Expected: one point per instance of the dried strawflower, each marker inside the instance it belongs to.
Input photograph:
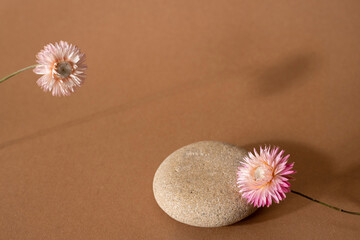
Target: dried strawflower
(265, 176)
(62, 66)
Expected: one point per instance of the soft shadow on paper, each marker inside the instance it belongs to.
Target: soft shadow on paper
(290, 72)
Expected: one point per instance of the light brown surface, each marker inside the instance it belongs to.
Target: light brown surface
(164, 74)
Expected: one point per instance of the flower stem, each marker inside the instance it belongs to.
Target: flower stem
(17, 72)
(325, 204)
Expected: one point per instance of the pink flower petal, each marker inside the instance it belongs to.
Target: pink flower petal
(264, 176)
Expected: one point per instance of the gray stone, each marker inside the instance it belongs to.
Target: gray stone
(196, 185)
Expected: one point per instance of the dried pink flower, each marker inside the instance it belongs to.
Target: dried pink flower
(265, 176)
(62, 66)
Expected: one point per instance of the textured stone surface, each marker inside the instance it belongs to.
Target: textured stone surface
(196, 185)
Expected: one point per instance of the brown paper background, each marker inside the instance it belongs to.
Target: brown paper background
(164, 74)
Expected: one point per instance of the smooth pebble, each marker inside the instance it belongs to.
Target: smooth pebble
(196, 185)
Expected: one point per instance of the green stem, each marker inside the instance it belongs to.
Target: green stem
(17, 72)
(325, 204)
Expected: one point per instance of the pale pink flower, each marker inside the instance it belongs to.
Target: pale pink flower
(265, 176)
(62, 66)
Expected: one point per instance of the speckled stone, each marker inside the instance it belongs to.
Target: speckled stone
(196, 185)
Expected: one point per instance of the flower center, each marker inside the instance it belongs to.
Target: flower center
(259, 173)
(63, 69)
(263, 174)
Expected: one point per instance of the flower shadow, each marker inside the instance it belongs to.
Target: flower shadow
(314, 175)
(290, 72)
(347, 181)
(124, 107)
